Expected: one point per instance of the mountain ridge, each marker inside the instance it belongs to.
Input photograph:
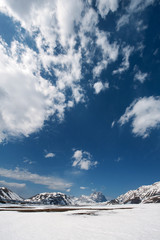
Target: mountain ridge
(143, 194)
(58, 198)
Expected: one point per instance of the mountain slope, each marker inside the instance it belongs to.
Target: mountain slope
(144, 194)
(7, 195)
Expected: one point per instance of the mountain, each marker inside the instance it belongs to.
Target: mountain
(96, 197)
(63, 199)
(7, 196)
(55, 198)
(144, 194)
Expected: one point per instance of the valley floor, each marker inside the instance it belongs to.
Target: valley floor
(132, 222)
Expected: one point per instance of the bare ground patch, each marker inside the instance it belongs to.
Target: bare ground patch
(37, 210)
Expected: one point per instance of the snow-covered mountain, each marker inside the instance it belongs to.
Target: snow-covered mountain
(144, 194)
(63, 199)
(96, 197)
(7, 195)
(55, 198)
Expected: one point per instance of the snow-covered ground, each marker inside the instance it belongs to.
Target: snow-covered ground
(140, 223)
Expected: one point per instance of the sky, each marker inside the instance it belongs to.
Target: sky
(79, 95)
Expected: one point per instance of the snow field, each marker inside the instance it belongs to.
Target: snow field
(140, 223)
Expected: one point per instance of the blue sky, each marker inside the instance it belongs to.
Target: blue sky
(80, 95)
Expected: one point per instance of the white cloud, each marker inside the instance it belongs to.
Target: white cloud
(135, 6)
(99, 86)
(83, 160)
(50, 182)
(12, 184)
(68, 13)
(139, 5)
(49, 155)
(113, 124)
(141, 77)
(109, 52)
(68, 190)
(145, 115)
(104, 6)
(27, 98)
(26, 160)
(126, 51)
(122, 21)
(83, 188)
(141, 26)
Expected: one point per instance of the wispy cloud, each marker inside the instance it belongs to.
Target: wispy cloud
(28, 161)
(134, 6)
(83, 188)
(50, 182)
(139, 5)
(49, 155)
(122, 21)
(83, 160)
(144, 114)
(109, 52)
(126, 52)
(113, 124)
(68, 190)
(12, 184)
(118, 159)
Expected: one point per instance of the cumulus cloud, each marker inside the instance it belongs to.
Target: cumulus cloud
(99, 86)
(141, 77)
(68, 13)
(104, 6)
(12, 184)
(66, 36)
(49, 155)
(144, 114)
(27, 99)
(50, 182)
(83, 160)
